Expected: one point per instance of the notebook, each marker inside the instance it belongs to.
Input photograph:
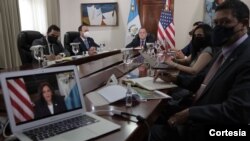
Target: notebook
(148, 83)
(29, 112)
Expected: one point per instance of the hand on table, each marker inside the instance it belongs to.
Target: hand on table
(92, 51)
(167, 77)
(58, 57)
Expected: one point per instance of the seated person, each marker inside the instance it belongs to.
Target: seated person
(49, 103)
(86, 43)
(186, 51)
(201, 52)
(222, 93)
(141, 39)
(53, 46)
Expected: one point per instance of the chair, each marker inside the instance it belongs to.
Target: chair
(69, 38)
(24, 42)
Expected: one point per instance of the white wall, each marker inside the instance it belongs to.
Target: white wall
(114, 36)
(186, 13)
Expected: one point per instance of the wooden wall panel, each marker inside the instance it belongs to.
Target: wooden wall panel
(150, 11)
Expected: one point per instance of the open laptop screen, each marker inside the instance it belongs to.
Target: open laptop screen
(38, 96)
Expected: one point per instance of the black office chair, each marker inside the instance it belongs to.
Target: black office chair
(24, 42)
(69, 38)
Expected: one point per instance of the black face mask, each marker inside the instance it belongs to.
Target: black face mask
(199, 42)
(52, 39)
(221, 35)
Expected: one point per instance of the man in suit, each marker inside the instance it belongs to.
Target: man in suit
(87, 44)
(223, 99)
(53, 47)
(141, 39)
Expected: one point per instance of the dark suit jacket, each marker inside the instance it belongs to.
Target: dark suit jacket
(58, 48)
(41, 108)
(187, 49)
(226, 99)
(136, 41)
(83, 46)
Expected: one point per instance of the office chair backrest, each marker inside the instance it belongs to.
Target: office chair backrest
(69, 38)
(24, 42)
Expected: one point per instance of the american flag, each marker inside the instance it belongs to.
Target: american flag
(20, 100)
(166, 28)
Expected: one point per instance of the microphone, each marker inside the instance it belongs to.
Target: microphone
(120, 113)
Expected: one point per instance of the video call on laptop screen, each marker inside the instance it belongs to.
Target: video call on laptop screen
(36, 97)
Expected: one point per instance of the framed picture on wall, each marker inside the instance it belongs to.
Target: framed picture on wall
(210, 6)
(99, 14)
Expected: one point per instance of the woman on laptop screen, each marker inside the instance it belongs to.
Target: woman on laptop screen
(49, 103)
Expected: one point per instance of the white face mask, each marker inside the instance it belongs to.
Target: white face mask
(86, 34)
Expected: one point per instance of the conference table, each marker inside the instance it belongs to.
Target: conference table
(94, 72)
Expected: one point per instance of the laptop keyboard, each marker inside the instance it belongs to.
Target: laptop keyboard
(47, 131)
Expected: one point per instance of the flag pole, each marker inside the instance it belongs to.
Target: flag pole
(165, 42)
(166, 7)
(132, 6)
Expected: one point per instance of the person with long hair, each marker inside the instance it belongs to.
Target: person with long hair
(201, 52)
(221, 90)
(49, 103)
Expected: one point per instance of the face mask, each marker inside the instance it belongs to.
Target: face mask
(86, 34)
(52, 39)
(199, 42)
(221, 35)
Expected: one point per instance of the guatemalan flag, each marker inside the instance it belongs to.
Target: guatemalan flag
(134, 23)
(68, 88)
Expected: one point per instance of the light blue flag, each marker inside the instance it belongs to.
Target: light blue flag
(73, 99)
(68, 88)
(134, 23)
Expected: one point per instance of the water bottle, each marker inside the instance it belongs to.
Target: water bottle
(129, 95)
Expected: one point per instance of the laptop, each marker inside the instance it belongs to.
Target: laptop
(31, 118)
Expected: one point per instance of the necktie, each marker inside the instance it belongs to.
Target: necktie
(209, 76)
(86, 43)
(142, 43)
(51, 49)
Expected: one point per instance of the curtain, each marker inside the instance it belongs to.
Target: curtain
(33, 15)
(44, 13)
(9, 29)
(53, 12)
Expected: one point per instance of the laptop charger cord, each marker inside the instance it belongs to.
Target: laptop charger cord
(120, 113)
(6, 124)
(139, 118)
(8, 137)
